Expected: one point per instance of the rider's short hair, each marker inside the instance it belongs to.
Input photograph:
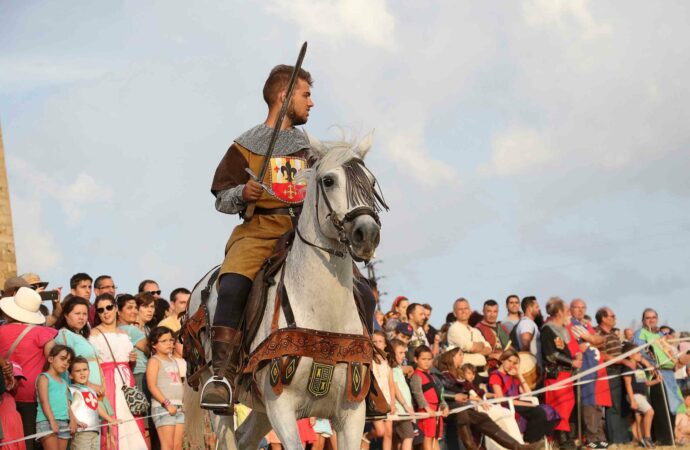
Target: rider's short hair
(278, 80)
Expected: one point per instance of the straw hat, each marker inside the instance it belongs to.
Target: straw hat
(23, 307)
(34, 280)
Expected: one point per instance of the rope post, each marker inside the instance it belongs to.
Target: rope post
(578, 441)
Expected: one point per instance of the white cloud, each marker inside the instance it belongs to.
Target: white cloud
(367, 21)
(408, 152)
(564, 15)
(23, 73)
(518, 150)
(35, 245)
(73, 197)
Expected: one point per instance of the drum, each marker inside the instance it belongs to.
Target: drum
(529, 369)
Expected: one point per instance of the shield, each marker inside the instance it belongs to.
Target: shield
(90, 400)
(284, 170)
(320, 379)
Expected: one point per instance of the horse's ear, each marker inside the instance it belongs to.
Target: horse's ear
(365, 145)
(317, 148)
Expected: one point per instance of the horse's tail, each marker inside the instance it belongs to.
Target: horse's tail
(194, 419)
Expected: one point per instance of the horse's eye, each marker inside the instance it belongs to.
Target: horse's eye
(328, 181)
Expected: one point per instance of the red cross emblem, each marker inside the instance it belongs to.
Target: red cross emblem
(283, 178)
(90, 400)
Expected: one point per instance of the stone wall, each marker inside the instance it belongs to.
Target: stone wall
(8, 261)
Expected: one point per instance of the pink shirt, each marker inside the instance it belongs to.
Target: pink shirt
(28, 354)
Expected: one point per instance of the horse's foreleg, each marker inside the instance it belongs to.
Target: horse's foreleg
(281, 413)
(252, 430)
(349, 427)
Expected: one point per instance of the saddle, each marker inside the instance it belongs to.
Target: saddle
(258, 295)
(194, 326)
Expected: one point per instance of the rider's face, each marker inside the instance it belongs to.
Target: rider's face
(300, 104)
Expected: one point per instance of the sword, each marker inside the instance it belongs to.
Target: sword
(249, 212)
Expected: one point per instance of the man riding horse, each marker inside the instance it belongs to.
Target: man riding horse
(253, 241)
(277, 198)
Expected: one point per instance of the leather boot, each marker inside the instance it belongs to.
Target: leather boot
(225, 348)
(505, 440)
(465, 435)
(563, 440)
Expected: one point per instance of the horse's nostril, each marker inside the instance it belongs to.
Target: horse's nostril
(358, 236)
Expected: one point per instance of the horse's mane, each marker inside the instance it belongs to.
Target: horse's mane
(346, 153)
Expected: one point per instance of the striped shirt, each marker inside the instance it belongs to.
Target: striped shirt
(613, 346)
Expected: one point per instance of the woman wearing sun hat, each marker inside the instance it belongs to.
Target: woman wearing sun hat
(23, 340)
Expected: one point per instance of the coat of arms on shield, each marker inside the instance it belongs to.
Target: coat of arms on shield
(284, 169)
(320, 379)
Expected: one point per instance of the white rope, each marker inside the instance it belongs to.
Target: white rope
(404, 416)
(563, 384)
(48, 433)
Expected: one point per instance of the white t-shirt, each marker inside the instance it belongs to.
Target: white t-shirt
(526, 325)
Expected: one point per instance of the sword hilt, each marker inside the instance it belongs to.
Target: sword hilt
(249, 211)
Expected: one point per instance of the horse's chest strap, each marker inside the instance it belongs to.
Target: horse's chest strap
(322, 346)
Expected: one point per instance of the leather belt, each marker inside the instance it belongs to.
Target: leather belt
(289, 211)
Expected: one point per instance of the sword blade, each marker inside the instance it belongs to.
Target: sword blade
(249, 212)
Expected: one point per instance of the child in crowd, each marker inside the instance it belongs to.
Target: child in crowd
(54, 414)
(324, 432)
(507, 381)
(86, 408)
(11, 427)
(474, 392)
(636, 386)
(384, 378)
(683, 423)
(165, 384)
(402, 429)
(427, 390)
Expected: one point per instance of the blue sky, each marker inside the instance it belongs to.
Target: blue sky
(537, 146)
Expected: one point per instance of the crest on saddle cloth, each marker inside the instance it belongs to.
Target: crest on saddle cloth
(284, 170)
(320, 379)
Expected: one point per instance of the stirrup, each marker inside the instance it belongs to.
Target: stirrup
(217, 406)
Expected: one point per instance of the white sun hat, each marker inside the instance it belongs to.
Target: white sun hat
(24, 306)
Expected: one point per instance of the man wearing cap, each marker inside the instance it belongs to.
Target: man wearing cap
(39, 286)
(403, 331)
(23, 340)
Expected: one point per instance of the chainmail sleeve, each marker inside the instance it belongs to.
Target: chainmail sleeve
(417, 392)
(229, 201)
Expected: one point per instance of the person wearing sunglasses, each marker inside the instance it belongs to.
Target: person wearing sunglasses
(660, 357)
(150, 287)
(116, 352)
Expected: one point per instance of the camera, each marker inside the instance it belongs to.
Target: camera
(49, 295)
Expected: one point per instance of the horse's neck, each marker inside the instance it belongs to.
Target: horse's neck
(320, 285)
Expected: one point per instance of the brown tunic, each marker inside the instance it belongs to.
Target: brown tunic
(252, 242)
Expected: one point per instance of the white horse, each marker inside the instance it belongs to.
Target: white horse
(339, 221)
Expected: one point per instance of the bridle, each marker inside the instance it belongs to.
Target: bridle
(339, 224)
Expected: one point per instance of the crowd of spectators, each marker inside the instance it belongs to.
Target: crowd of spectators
(68, 373)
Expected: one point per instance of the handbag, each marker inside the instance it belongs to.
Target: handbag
(136, 400)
